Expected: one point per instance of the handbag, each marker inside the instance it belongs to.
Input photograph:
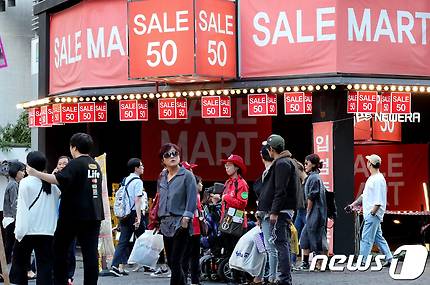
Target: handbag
(232, 222)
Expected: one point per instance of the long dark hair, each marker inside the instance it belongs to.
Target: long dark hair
(37, 160)
(315, 160)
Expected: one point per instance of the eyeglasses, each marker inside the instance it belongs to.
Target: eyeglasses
(173, 153)
(141, 165)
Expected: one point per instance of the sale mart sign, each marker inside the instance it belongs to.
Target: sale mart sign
(172, 108)
(133, 110)
(163, 38)
(362, 101)
(297, 103)
(405, 167)
(216, 107)
(262, 105)
(206, 141)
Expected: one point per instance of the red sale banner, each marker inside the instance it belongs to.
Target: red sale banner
(262, 105)
(69, 113)
(367, 101)
(216, 107)
(172, 108)
(295, 103)
(362, 130)
(46, 115)
(161, 38)
(386, 131)
(89, 49)
(142, 110)
(101, 112)
(37, 117)
(384, 105)
(352, 102)
(401, 102)
(56, 116)
(206, 141)
(405, 167)
(87, 112)
(31, 118)
(128, 110)
(323, 146)
(216, 38)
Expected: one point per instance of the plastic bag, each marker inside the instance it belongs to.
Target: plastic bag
(246, 256)
(294, 243)
(146, 249)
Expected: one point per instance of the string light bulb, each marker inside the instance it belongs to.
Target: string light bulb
(333, 87)
(317, 87)
(273, 89)
(349, 87)
(138, 96)
(281, 89)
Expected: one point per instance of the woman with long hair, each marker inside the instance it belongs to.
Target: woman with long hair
(311, 239)
(177, 190)
(36, 220)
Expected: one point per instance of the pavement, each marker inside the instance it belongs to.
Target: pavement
(299, 278)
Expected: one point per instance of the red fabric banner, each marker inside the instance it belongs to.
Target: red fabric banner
(405, 167)
(88, 46)
(206, 141)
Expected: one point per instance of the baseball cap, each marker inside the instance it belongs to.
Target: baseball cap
(374, 159)
(275, 141)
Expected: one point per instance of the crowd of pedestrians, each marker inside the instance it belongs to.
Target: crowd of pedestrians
(48, 213)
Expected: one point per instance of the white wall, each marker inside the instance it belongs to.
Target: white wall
(15, 80)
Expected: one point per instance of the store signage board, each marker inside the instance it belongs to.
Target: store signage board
(216, 107)
(172, 108)
(164, 42)
(297, 103)
(262, 105)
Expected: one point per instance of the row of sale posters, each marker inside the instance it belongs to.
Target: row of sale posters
(372, 102)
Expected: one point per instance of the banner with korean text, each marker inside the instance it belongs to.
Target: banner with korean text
(323, 146)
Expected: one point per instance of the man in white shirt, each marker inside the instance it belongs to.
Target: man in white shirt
(374, 201)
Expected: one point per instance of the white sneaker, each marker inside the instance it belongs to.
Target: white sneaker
(160, 272)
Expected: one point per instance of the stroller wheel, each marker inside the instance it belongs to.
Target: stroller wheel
(224, 271)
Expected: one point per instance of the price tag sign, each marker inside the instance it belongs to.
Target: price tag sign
(101, 112)
(367, 101)
(216, 107)
(69, 113)
(352, 102)
(181, 108)
(56, 114)
(216, 38)
(401, 102)
(308, 103)
(31, 118)
(161, 38)
(87, 112)
(128, 110)
(142, 110)
(384, 105)
(46, 116)
(172, 109)
(258, 105)
(294, 103)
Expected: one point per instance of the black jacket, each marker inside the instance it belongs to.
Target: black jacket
(279, 186)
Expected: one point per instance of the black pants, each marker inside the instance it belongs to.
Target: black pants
(191, 259)
(229, 242)
(42, 245)
(9, 241)
(175, 250)
(87, 234)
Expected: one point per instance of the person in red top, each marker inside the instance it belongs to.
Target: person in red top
(235, 196)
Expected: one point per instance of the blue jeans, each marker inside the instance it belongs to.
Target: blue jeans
(299, 223)
(271, 250)
(282, 244)
(371, 234)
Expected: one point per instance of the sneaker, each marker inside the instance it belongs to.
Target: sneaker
(304, 266)
(124, 272)
(160, 272)
(115, 271)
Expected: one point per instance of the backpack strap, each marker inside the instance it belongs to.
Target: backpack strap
(37, 198)
(126, 191)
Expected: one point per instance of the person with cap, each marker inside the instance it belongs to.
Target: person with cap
(277, 201)
(374, 202)
(235, 196)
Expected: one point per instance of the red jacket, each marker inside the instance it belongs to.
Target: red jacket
(196, 222)
(235, 196)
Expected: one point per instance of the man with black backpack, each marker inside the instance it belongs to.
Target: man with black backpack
(278, 199)
(131, 221)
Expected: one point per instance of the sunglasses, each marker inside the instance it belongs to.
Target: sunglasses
(171, 154)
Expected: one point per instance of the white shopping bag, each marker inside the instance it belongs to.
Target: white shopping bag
(147, 249)
(246, 256)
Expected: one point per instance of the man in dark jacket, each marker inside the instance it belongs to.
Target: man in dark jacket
(278, 200)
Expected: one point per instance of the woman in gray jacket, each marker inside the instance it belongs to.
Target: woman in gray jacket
(314, 230)
(177, 190)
